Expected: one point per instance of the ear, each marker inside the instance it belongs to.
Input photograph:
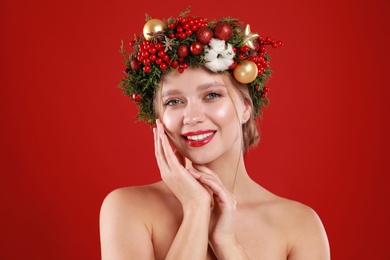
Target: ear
(246, 114)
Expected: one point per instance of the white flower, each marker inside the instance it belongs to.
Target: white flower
(219, 56)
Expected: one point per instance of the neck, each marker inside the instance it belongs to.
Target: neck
(230, 168)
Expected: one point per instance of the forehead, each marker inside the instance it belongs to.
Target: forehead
(190, 78)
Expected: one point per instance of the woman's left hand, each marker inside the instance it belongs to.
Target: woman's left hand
(222, 223)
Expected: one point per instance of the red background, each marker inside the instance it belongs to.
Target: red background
(68, 136)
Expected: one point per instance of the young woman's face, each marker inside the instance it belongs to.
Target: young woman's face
(201, 114)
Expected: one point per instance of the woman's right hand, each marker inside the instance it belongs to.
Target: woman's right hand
(184, 186)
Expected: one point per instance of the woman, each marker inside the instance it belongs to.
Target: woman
(206, 206)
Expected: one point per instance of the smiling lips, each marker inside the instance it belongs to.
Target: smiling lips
(199, 138)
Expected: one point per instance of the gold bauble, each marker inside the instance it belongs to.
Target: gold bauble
(245, 72)
(152, 26)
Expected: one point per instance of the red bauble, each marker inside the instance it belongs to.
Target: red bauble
(196, 48)
(135, 64)
(204, 35)
(223, 31)
(182, 51)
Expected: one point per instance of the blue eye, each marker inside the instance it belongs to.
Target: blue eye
(172, 102)
(213, 95)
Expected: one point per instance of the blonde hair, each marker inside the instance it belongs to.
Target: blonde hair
(250, 132)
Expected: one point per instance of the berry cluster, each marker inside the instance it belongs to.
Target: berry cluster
(151, 52)
(258, 56)
(183, 27)
(158, 52)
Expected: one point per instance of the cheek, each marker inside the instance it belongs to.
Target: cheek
(170, 121)
(225, 112)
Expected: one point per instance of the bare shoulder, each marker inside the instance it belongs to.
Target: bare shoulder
(134, 196)
(125, 222)
(305, 232)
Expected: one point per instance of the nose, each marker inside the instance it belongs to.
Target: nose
(193, 114)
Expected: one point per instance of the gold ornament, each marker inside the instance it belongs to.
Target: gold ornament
(152, 27)
(245, 72)
(249, 37)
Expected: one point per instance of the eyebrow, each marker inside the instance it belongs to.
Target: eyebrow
(199, 88)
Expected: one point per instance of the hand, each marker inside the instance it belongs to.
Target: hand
(185, 187)
(222, 224)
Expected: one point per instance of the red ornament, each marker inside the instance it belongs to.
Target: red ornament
(204, 35)
(182, 51)
(196, 48)
(147, 68)
(135, 64)
(234, 64)
(223, 31)
(136, 97)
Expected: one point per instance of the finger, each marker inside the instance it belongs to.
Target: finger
(205, 171)
(172, 160)
(208, 178)
(159, 153)
(170, 156)
(223, 196)
(195, 173)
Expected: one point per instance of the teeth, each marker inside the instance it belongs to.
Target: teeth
(199, 137)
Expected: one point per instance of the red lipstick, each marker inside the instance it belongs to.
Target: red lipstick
(199, 138)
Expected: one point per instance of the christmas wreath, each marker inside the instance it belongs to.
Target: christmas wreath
(221, 46)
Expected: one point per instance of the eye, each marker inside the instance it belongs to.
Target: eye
(212, 95)
(172, 102)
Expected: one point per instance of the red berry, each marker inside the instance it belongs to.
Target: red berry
(136, 97)
(244, 49)
(161, 53)
(234, 64)
(147, 68)
(153, 57)
(196, 48)
(145, 54)
(163, 66)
